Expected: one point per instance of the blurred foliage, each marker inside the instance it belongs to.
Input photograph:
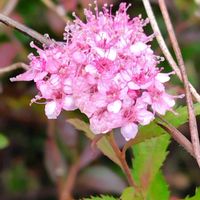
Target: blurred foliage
(18, 179)
(3, 141)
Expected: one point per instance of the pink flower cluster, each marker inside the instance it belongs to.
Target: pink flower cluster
(105, 68)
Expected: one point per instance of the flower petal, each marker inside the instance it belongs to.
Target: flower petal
(129, 131)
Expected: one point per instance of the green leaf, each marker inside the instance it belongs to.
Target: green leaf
(104, 197)
(196, 197)
(158, 189)
(149, 157)
(103, 144)
(153, 130)
(130, 194)
(3, 141)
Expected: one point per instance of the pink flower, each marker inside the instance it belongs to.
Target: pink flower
(116, 79)
(53, 74)
(107, 69)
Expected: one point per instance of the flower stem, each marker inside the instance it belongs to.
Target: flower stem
(122, 159)
(68, 185)
(190, 107)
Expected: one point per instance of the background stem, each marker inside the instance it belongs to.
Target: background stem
(164, 47)
(177, 135)
(25, 30)
(176, 48)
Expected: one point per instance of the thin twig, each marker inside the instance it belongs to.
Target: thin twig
(9, 7)
(51, 128)
(67, 187)
(57, 9)
(164, 48)
(127, 145)
(12, 67)
(96, 139)
(177, 135)
(122, 159)
(190, 107)
(24, 29)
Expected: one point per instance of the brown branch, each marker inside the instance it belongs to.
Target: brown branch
(96, 139)
(190, 107)
(127, 145)
(67, 187)
(51, 128)
(57, 9)
(13, 67)
(24, 29)
(177, 135)
(164, 48)
(122, 159)
(9, 7)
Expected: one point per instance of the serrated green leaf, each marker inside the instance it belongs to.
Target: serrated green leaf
(102, 197)
(153, 130)
(149, 157)
(103, 144)
(3, 141)
(158, 189)
(130, 194)
(196, 196)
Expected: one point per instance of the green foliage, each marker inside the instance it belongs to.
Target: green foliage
(153, 130)
(158, 186)
(145, 132)
(150, 151)
(187, 7)
(130, 194)
(17, 179)
(196, 197)
(104, 197)
(103, 144)
(149, 157)
(3, 141)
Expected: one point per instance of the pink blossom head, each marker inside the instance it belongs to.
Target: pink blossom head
(107, 69)
(118, 83)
